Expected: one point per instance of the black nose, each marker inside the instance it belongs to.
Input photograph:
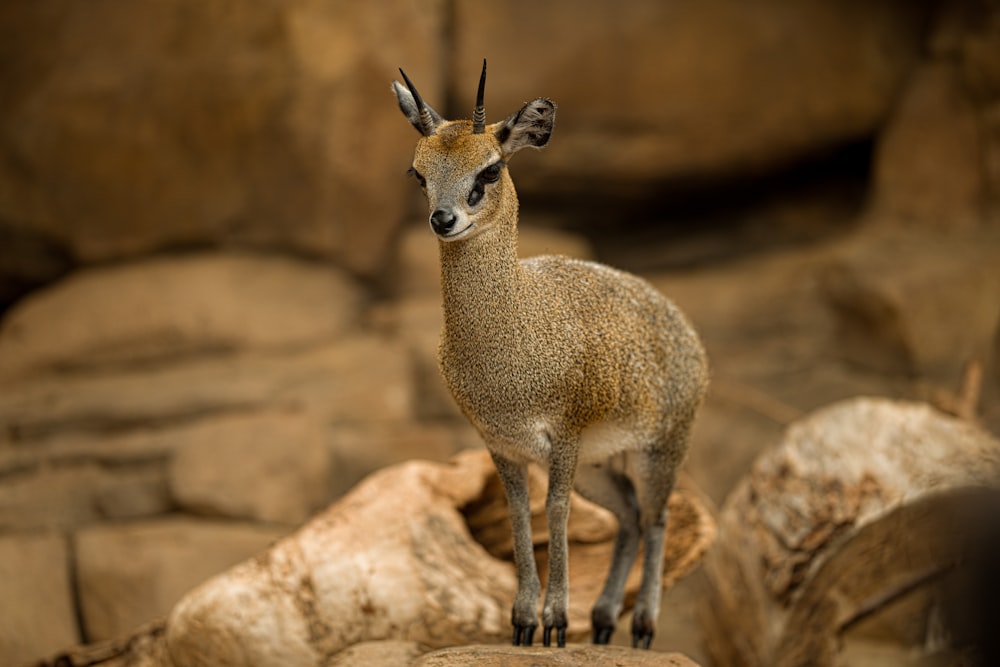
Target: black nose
(442, 221)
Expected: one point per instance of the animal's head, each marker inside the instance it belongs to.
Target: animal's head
(462, 165)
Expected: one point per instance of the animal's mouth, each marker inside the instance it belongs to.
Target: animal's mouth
(460, 234)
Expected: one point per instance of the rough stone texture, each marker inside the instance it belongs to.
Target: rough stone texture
(176, 123)
(271, 467)
(36, 616)
(831, 527)
(928, 312)
(573, 654)
(393, 559)
(648, 90)
(131, 573)
(378, 654)
(361, 378)
(360, 449)
(162, 309)
(935, 124)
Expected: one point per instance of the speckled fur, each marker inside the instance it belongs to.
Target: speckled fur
(571, 364)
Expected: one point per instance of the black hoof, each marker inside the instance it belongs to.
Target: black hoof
(560, 636)
(524, 634)
(603, 635)
(641, 639)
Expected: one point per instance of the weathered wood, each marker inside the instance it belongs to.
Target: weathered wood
(398, 558)
(843, 534)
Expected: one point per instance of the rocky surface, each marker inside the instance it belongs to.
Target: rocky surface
(500, 656)
(245, 328)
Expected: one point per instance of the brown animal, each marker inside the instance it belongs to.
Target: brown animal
(571, 364)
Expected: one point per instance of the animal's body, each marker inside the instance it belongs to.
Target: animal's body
(584, 369)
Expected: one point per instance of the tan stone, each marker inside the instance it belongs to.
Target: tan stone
(36, 616)
(131, 573)
(271, 467)
(188, 123)
(378, 654)
(535, 656)
(929, 162)
(395, 559)
(360, 378)
(165, 309)
(650, 90)
(360, 449)
(917, 307)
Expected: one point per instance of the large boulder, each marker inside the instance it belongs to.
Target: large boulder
(130, 127)
(649, 91)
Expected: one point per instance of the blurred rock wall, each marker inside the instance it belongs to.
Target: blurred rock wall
(244, 325)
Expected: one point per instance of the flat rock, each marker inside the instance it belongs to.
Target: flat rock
(131, 573)
(270, 467)
(37, 615)
(536, 656)
(168, 308)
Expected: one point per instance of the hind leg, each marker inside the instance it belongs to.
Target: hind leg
(612, 490)
(653, 473)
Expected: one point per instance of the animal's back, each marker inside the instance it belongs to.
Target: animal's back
(641, 360)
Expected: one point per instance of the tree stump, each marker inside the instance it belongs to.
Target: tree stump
(839, 542)
(418, 552)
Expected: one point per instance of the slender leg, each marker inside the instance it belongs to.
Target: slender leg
(562, 469)
(613, 491)
(524, 615)
(653, 476)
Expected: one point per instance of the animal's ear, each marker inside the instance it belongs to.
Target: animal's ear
(411, 110)
(531, 126)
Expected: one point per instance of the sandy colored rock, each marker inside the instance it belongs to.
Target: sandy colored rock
(651, 90)
(360, 378)
(378, 654)
(534, 656)
(830, 530)
(165, 309)
(394, 559)
(34, 585)
(928, 312)
(129, 574)
(929, 161)
(180, 124)
(271, 467)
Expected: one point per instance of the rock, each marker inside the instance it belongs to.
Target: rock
(185, 124)
(131, 573)
(163, 309)
(394, 559)
(536, 656)
(80, 491)
(37, 615)
(271, 467)
(915, 307)
(843, 533)
(653, 91)
(378, 654)
(360, 449)
(359, 378)
(929, 161)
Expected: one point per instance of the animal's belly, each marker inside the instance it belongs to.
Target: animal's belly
(601, 441)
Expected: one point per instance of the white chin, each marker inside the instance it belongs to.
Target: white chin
(460, 234)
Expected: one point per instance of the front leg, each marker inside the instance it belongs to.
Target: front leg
(524, 615)
(562, 470)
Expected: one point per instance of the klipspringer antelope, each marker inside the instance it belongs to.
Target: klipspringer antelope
(571, 364)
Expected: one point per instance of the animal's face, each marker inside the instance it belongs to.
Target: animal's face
(462, 165)
(464, 176)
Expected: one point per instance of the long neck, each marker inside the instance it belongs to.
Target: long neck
(481, 277)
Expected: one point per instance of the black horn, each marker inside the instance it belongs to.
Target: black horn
(479, 114)
(427, 124)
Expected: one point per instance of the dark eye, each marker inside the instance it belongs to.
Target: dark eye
(416, 174)
(477, 192)
(491, 174)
